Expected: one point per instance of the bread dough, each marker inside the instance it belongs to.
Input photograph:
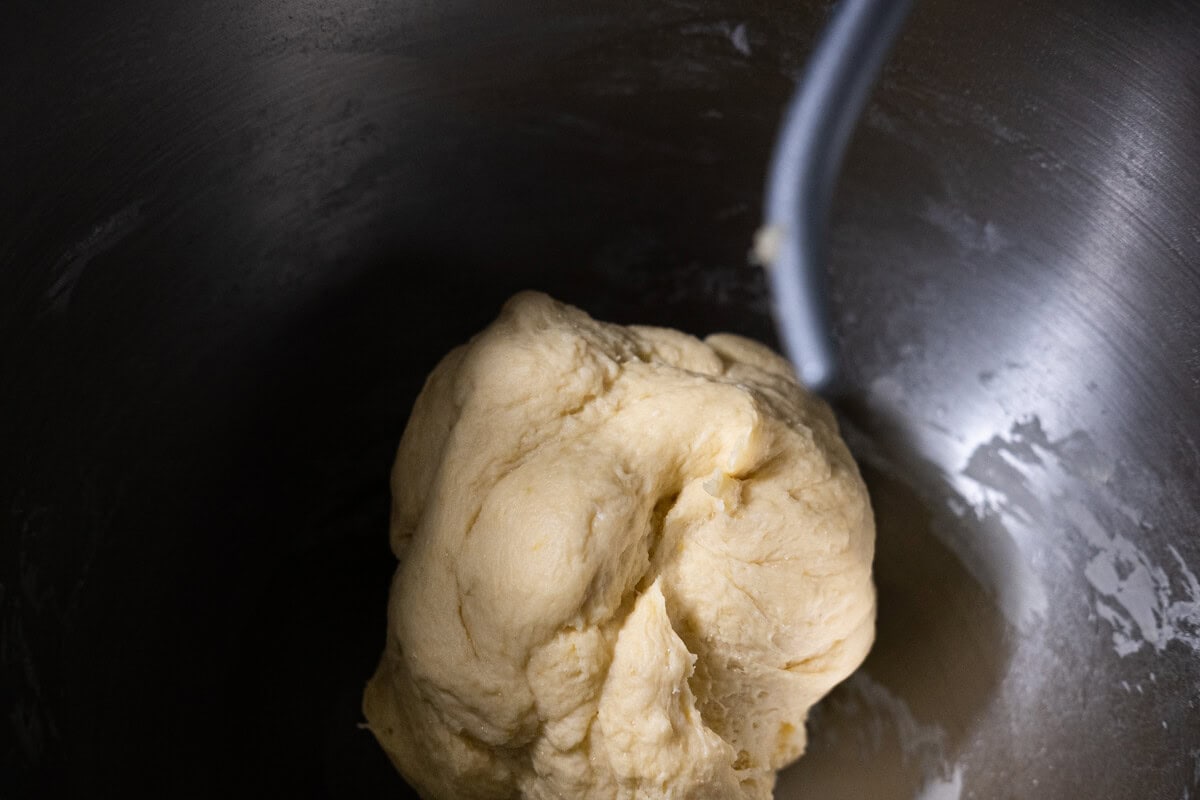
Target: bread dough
(630, 562)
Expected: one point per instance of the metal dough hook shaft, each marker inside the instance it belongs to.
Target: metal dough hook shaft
(818, 124)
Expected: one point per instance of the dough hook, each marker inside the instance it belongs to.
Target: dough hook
(817, 126)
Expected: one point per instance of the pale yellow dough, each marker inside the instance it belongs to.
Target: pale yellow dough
(630, 562)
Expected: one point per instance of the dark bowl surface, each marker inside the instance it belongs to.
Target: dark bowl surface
(236, 236)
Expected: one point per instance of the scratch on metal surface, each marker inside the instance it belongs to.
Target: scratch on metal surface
(70, 266)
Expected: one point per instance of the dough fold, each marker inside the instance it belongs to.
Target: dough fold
(630, 562)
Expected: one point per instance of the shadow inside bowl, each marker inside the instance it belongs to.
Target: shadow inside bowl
(893, 729)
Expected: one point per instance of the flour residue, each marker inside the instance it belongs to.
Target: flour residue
(1143, 602)
(974, 529)
(738, 35)
(970, 234)
(943, 788)
(878, 720)
(995, 559)
(1149, 600)
(923, 744)
(740, 39)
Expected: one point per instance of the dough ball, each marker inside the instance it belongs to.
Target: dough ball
(630, 562)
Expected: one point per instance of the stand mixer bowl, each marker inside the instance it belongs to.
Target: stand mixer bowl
(238, 236)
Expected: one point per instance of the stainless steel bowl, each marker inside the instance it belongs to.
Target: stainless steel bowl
(237, 235)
